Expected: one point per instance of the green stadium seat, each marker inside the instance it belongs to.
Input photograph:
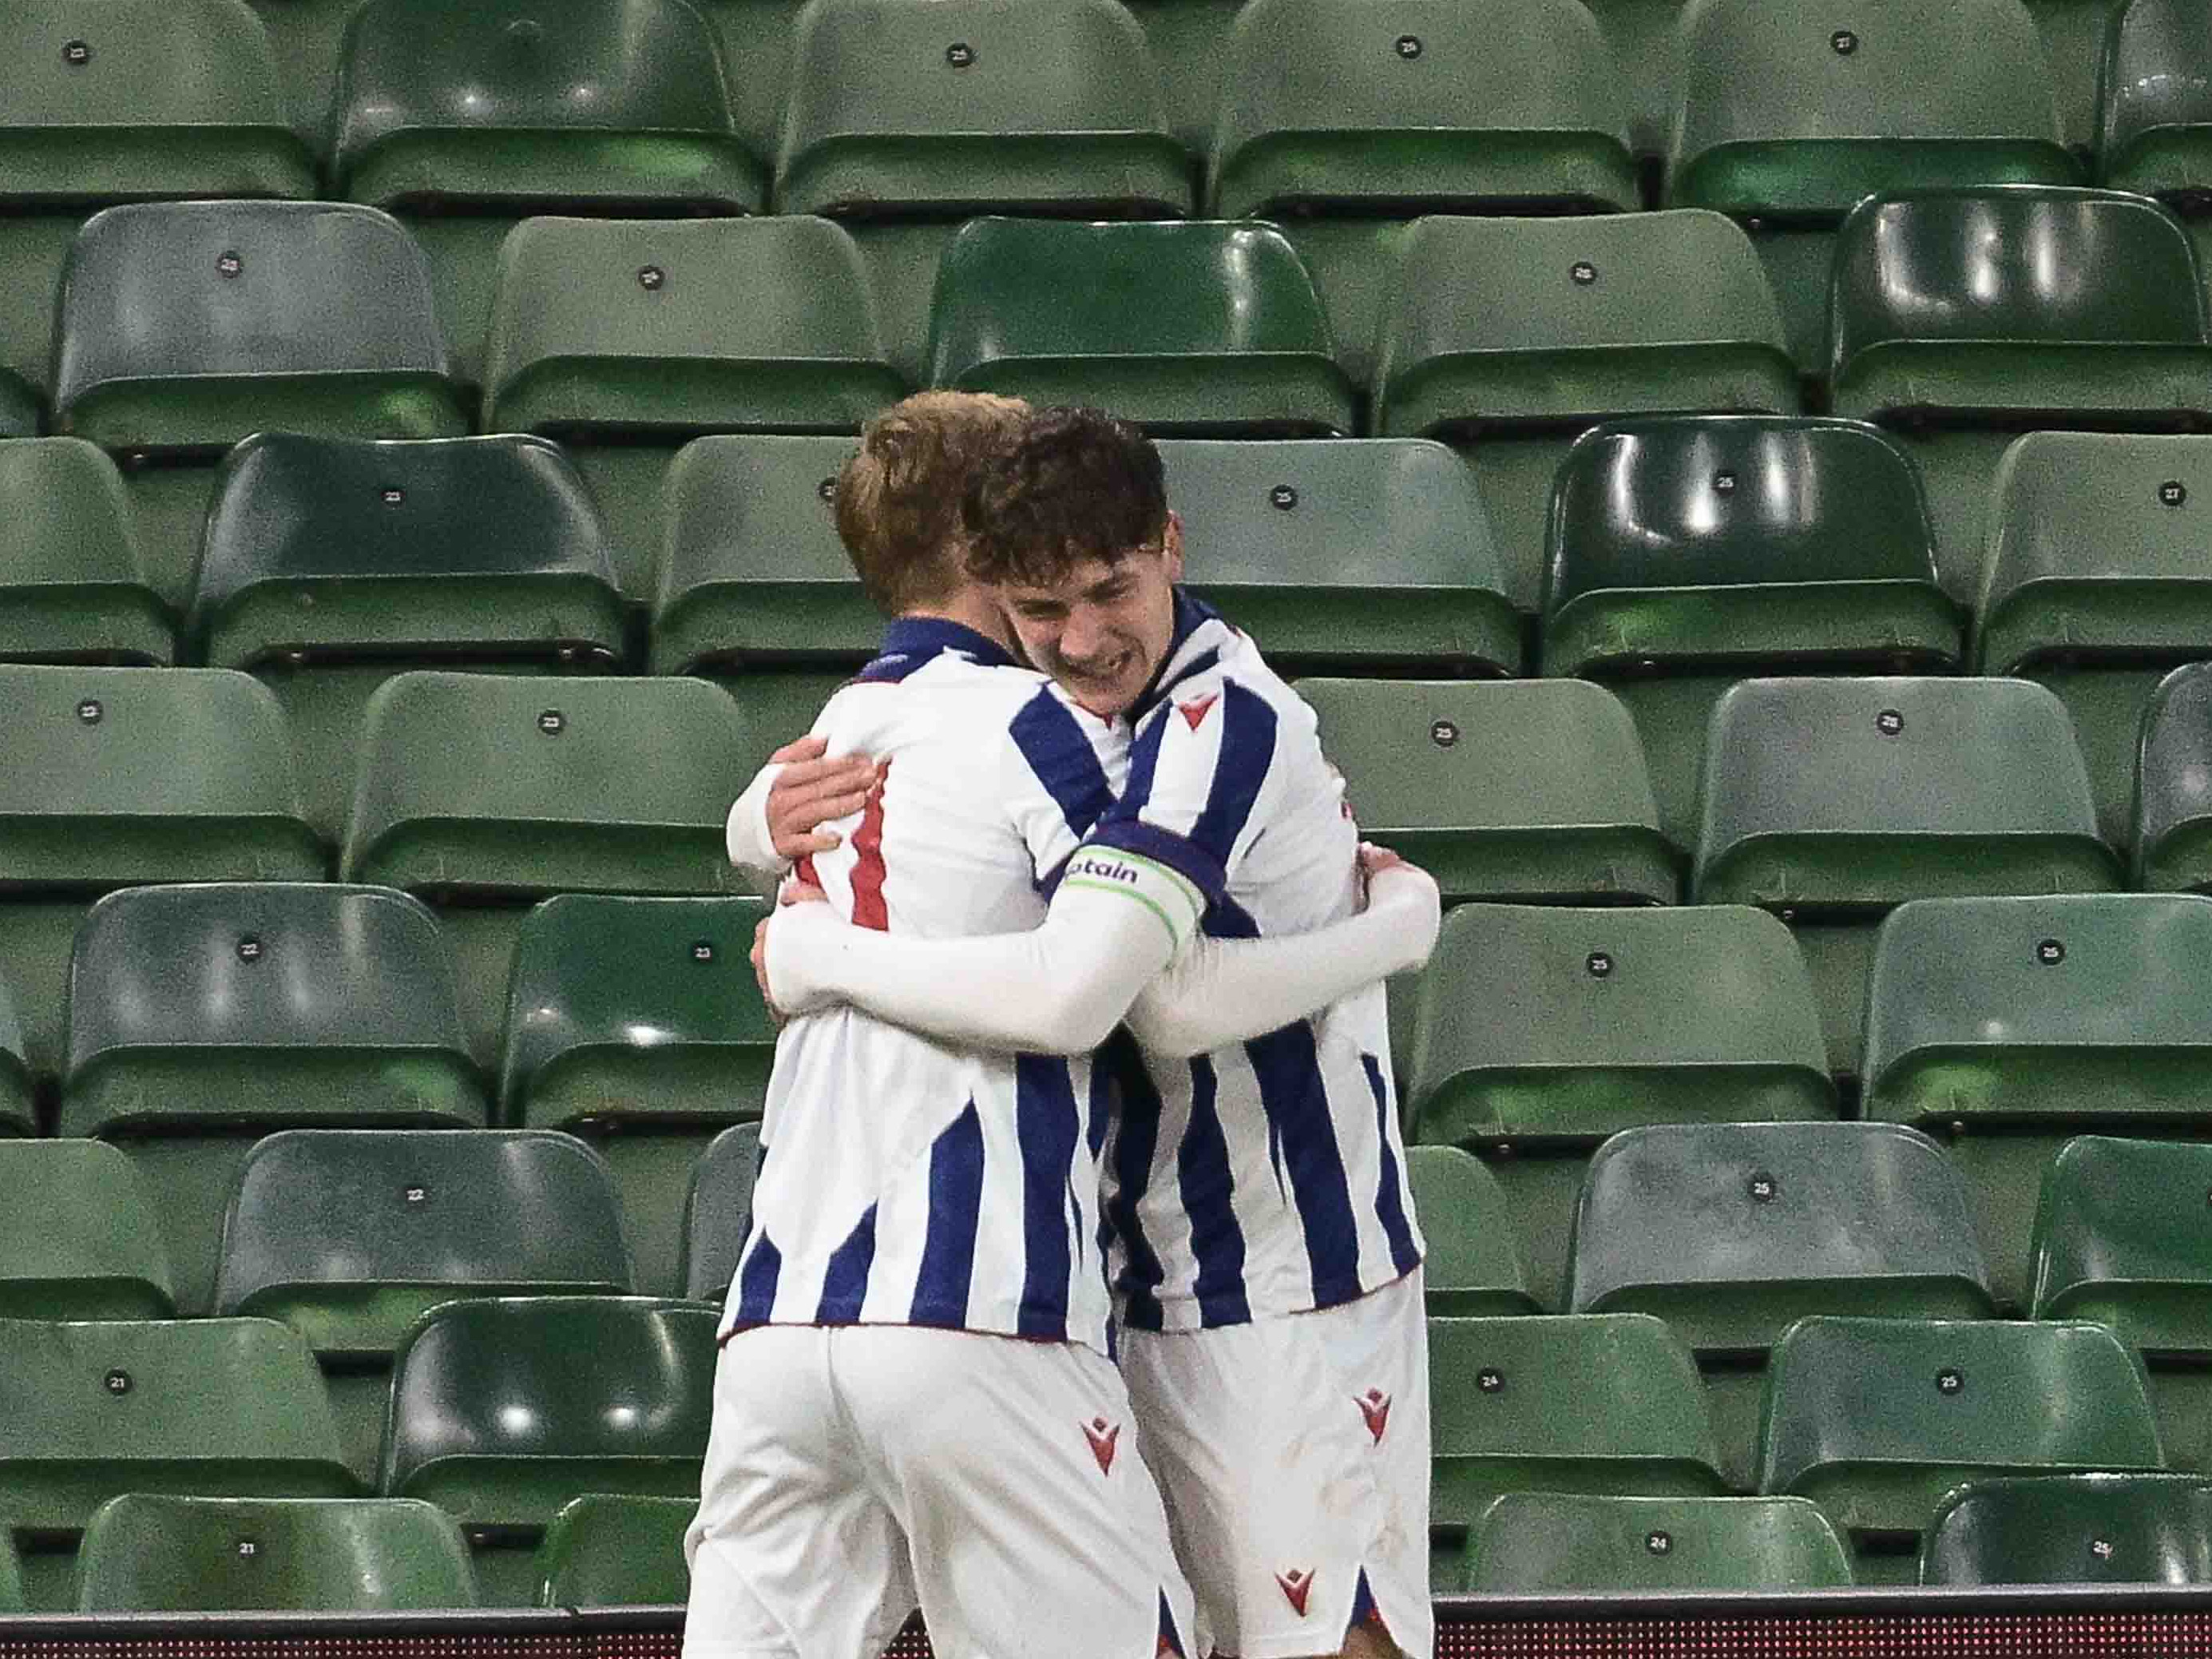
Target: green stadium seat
(1359, 555)
(144, 1553)
(1875, 1419)
(1539, 1032)
(1517, 789)
(1959, 319)
(2171, 832)
(2120, 1239)
(718, 1208)
(219, 1407)
(2005, 1025)
(615, 1394)
(2154, 118)
(1575, 321)
(752, 574)
(1473, 1269)
(625, 338)
(1196, 330)
(11, 1579)
(203, 1017)
(2074, 33)
(115, 776)
(330, 564)
(17, 1115)
(1830, 801)
(1189, 42)
(1686, 552)
(1732, 1231)
(72, 587)
(485, 794)
(121, 101)
(2098, 581)
(604, 1550)
(78, 1238)
(1341, 121)
(1514, 1411)
(183, 327)
(1543, 1543)
(755, 37)
(463, 120)
(349, 1236)
(2072, 1529)
(636, 1023)
(904, 122)
(1787, 120)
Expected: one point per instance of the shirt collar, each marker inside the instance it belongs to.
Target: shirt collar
(921, 637)
(1190, 651)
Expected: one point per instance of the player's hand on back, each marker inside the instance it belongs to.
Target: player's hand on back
(811, 791)
(1407, 891)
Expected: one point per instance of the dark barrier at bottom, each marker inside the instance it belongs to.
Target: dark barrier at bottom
(2072, 1622)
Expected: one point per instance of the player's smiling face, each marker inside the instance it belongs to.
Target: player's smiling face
(1104, 629)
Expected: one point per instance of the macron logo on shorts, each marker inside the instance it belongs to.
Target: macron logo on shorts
(1296, 1586)
(1102, 1439)
(1375, 1406)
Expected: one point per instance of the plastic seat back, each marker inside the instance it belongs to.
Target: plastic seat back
(1787, 116)
(617, 1390)
(517, 102)
(751, 572)
(1208, 329)
(977, 104)
(349, 1236)
(1874, 1419)
(1542, 1027)
(231, 1407)
(1858, 793)
(144, 1553)
(2073, 1529)
(1547, 1543)
(605, 1551)
(1576, 320)
(183, 327)
(670, 327)
(1741, 542)
(336, 549)
(1430, 104)
(1731, 1232)
(16, 1115)
(1364, 555)
(640, 1009)
(2155, 128)
(1514, 790)
(1471, 1268)
(114, 775)
(72, 585)
(1509, 1414)
(2173, 818)
(78, 1239)
(11, 1579)
(213, 1005)
(718, 1211)
(2120, 1239)
(2121, 335)
(490, 785)
(2036, 1011)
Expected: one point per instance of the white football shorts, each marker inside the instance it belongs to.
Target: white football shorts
(1293, 1456)
(856, 1473)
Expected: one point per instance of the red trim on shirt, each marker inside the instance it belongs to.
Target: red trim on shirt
(868, 909)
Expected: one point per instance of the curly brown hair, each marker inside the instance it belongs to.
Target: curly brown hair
(898, 498)
(1072, 485)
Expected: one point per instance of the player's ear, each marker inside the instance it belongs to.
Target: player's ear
(1171, 542)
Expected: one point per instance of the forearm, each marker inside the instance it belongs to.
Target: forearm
(1219, 992)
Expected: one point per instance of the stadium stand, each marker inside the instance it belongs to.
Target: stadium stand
(17, 1107)
(1577, 320)
(78, 1237)
(1829, 801)
(2072, 1529)
(147, 1554)
(1540, 1032)
(2167, 840)
(615, 1394)
(606, 1550)
(73, 588)
(717, 1211)
(203, 1017)
(2003, 1026)
(1684, 553)
(1731, 1233)
(349, 1236)
(1473, 1268)
(1545, 1543)
(636, 1024)
(2153, 118)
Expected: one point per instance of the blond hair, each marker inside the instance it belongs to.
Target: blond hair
(898, 498)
